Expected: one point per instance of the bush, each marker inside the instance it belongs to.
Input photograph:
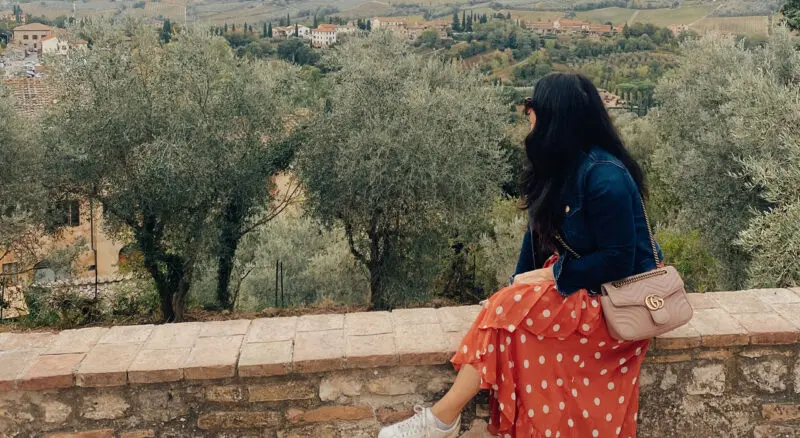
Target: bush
(61, 307)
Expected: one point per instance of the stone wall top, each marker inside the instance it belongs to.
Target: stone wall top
(122, 355)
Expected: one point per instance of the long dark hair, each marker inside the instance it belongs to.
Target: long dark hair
(570, 119)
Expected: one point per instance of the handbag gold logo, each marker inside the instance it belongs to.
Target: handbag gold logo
(654, 302)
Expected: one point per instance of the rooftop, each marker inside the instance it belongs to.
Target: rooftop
(30, 95)
(33, 27)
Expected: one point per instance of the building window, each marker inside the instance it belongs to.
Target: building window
(36, 37)
(24, 37)
(10, 273)
(66, 213)
(34, 45)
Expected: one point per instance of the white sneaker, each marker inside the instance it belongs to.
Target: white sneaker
(421, 425)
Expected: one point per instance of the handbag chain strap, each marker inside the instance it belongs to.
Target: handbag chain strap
(649, 230)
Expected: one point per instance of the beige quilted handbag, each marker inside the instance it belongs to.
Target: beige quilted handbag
(644, 305)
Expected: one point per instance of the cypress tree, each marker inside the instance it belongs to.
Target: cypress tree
(296, 30)
(316, 22)
(226, 27)
(245, 27)
(469, 24)
(269, 30)
(166, 31)
(233, 28)
(508, 15)
(369, 25)
(464, 21)
(288, 20)
(264, 31)
(456, 25)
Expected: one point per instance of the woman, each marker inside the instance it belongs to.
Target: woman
(541, 345)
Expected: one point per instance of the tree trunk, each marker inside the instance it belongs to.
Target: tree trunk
(228, 243)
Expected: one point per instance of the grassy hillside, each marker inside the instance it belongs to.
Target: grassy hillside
(665, 17)
(737, 25)
(618, 16)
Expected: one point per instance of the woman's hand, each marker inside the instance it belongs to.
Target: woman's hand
(537, 276)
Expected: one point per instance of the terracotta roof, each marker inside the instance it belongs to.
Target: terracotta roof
(326, 28)
(30, 95)
(49, 37)
(33, 26)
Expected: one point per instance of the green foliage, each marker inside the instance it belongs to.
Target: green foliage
(22, 209)
(726, 129)
(687, 252)
(134, 301)
(162, 136)
(297, 51)
(791, 11)
(385, 163)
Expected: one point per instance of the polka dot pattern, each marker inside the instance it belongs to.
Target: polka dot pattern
(574, 379)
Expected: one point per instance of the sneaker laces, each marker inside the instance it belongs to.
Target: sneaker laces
(414, 425)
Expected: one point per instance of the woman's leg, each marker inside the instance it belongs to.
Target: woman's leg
(466, 386)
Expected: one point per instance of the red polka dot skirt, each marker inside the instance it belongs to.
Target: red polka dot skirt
(551, 366)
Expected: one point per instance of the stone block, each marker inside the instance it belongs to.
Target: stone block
(173, 336)
(452, 342)
(718, 328)
(778, 296)
(317, 323)
(681, 338)
(404, 317)
(104, 406)
(776, 431)
(421, 344)
(106, 365)
(703, 301)
(368, 323)
(312, 431)
(26, 341)
(319, 351)
(333, 387)
(213, 358)
(707, 380)
(265, 359)
(225, 394)
(395, 384)
(100, 433)
(224, 328)
(370, 351)
(719, 354)
(767, 375)
(50, 372)
(781, 412)
(391, 416)
(457, 319)
(335, 413)
(153, 366)
(55, 411)
(127, 334)
(768, 328)
(239, 420)
(740, 302)
(143, 433)
(76, 341)
(272, 330)
(13, 364)
(290, 390)
(790, 312)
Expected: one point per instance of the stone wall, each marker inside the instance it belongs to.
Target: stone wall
(733, 372)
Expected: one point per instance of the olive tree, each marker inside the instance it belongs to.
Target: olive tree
(176, 141)
(408, 146)
(726, 134)
(21, 194)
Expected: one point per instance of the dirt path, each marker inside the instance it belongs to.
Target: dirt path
(633, 17)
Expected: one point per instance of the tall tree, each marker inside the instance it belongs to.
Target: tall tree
(369, 25)
(791, 10)
(269, 30)
(402, 186)
(464, 20)
(265, 31)
(233, 27)
(296, 30)
(469, 24)
(456, 25)
(166, 31)
(316, 22)
(226, 27)
(182, 180)
(288, 20)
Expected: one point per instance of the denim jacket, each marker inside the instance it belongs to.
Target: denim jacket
(604, 223)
